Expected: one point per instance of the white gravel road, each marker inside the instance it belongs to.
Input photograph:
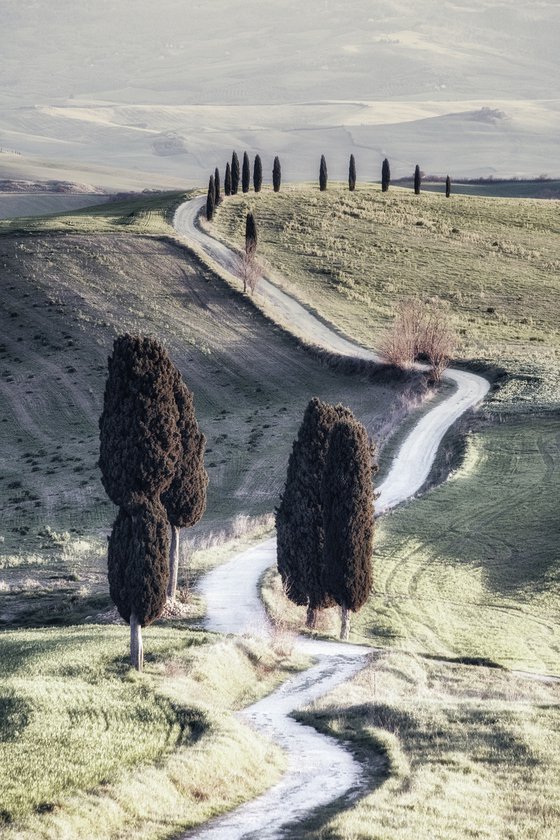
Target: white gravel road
(320, 769)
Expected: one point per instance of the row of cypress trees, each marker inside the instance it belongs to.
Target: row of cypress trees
(324, 522)
(152, 467)
(235, 175)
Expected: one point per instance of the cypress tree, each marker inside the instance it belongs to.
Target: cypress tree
(347, 490)
(185, 499)
(138, 567)
(385, 175)
(352, 174)
(276, 174)
(139, 439)
(323, 175)
(257, 173)
(299, 516)
(217, 193)
(227, 180)
(417, 180)
(140, 446)
(234, 173)
(447, 187)
(210, 199)
(246, 173)
(250, 234)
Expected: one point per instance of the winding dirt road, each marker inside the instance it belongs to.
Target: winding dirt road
(319, 768)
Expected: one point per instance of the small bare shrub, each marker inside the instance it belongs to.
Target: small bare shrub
(419, 333)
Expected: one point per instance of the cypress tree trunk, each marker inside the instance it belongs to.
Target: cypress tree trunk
(311, 620)
(136, 646)
(344, 623)
(173, 563)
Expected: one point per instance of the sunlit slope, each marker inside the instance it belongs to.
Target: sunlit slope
(492, 264)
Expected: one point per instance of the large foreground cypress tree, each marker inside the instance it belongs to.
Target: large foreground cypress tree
(227, 180)
(417, 180)
(234, 173)
(257, 174)
(185, 498)
(347, 490)
(352, 174)
(276, 174)
(140, 446)
(323, 175)
(299, 516)
(210, 199)
(385, 175)
(246, 173)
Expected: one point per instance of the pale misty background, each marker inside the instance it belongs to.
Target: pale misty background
(131, 93)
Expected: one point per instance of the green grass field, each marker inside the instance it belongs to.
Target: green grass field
(491, 264)
(76, 722)
(471, 568)
(451, 751)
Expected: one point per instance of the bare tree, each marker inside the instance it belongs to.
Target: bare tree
(249, 271)
(437, 342)
(398, 346)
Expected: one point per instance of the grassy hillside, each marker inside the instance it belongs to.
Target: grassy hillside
(63, 300)
(86, 742)
(452, 752)
(491, 263)
(471, 568)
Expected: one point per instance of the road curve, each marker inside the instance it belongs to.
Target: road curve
(319, 768)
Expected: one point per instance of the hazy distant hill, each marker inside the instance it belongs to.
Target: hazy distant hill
(162, 91)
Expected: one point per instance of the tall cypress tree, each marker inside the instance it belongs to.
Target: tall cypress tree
(140, 446)
(250, 234)
(185, 498)
(347, 490)
(227, 180)
(385, 175)
(246, 173)
(447, 187)
(234, 173)
(323, 175)
(417, 180)
(257, 174)
(352, 174)
(299, 516)
(276, 174)
(217, 194)
(210, 199)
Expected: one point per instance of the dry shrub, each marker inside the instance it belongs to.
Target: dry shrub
(282, 638)
(249, 271)
(419, 333)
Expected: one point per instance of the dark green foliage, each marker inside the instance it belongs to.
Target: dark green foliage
(246, 173)
(138, 566)
(299, 517)
(352, 174)
(385, 175)
(257, 174)
(217, 193)
(185, 498)
(323, 175)
(276, 174)
(139, 440)
(417, 180)
(234, 173)
(210, 199)
(250, 234)
(348, 515)
(447, 187)
(227, 180)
